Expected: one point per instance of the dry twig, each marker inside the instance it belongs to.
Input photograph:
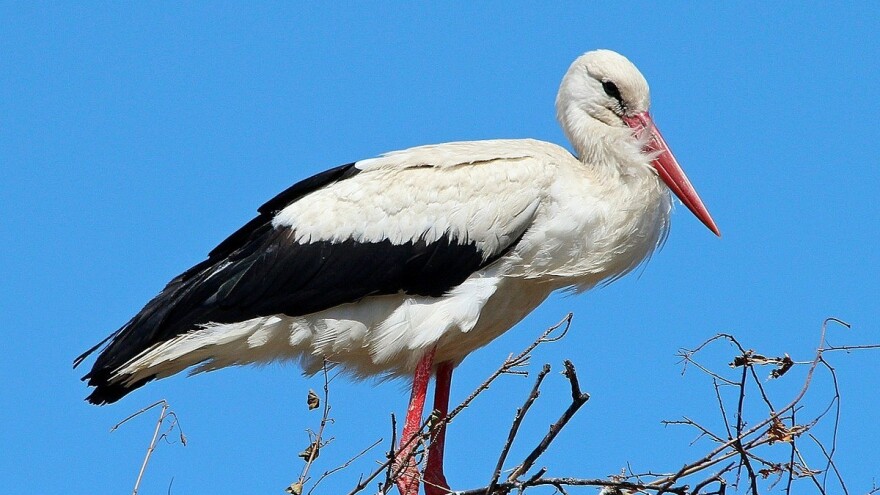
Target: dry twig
(164, 414)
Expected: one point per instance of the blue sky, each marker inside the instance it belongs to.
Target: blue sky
(135, 138)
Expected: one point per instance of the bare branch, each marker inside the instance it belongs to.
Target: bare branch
(164, 413)
(343, 466)
(316, 439)
(513, 362)
(514, 428)
(578, 399)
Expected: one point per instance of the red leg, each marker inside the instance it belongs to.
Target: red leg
(408, 479)
(435, 481)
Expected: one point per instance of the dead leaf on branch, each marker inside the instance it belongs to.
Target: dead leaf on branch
(779, 433)
(770, 470)
(313, 400)
(805, 472)
(307, 454)
(785, 365)
(751, 358)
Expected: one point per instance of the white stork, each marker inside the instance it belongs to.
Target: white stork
(402, 265)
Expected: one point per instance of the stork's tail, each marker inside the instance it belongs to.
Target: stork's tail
(107, 391)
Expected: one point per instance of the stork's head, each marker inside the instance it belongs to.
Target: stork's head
(604, 100)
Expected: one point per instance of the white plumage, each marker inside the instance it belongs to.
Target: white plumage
(576, 229)
(392, 264)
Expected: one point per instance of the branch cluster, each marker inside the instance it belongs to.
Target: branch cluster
(757, 448)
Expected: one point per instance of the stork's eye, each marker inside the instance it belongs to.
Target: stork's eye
(612, 91)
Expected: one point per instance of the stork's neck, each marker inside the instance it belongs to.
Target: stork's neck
(611, 150)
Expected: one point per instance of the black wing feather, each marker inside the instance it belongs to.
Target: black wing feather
(268, 210)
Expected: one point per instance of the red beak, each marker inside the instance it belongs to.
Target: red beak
(670, 171)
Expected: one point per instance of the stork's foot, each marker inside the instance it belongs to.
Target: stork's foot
(409, 478)
(435, 483)
(434, 479)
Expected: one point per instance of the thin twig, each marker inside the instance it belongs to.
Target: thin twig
(164, 413)
(394, 460)
(316, 444)
(514, 427)
(578, 399)
(513, 362)
(507, 486)
(343, 466)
